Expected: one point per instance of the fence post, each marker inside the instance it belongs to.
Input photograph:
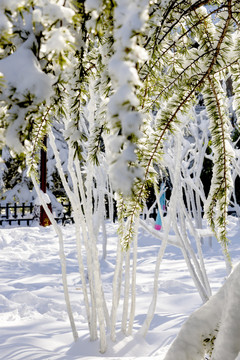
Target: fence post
(7, 211)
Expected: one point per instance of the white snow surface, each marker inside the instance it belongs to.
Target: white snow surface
(33, 317)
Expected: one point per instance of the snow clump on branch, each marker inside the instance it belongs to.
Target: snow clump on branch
(124, 116)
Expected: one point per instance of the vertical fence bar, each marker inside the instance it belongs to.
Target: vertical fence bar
(15, 210)
(1, 214)
(23, 209)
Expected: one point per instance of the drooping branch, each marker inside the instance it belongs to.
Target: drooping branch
(166, 122)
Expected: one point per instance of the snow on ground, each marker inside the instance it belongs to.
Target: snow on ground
(33, 318)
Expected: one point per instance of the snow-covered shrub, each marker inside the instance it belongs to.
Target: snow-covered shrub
(101, 68)
(214, 329)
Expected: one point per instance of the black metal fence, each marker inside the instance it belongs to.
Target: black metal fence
(17, 214)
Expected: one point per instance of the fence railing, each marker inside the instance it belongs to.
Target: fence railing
(26, 213)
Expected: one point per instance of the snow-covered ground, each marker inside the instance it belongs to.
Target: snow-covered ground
(33, 318)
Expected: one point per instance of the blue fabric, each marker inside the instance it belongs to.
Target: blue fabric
(162, 201)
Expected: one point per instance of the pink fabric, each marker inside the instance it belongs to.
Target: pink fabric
(158, 227)
(164, 207)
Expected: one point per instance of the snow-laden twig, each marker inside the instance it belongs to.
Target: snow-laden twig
(172, 239)
(126, 291)
(117, 282)
(166, 230)
(197, 238)
(78, 235)
(62, 257)
(133, 284)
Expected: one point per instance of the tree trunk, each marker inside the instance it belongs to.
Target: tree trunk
(44, 220)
